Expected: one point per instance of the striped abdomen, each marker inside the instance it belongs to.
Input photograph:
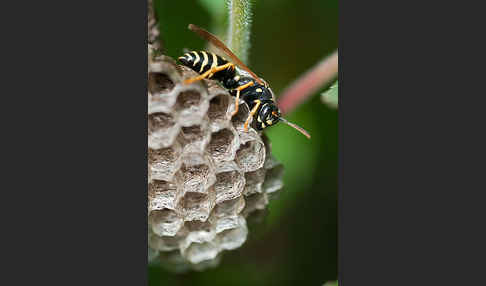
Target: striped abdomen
(201, 61)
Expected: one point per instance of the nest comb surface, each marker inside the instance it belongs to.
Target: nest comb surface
(206, 175)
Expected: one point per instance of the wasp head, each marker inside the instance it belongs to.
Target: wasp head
(269, 115)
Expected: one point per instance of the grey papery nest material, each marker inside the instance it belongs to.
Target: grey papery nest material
(206, 175)
(152, 26)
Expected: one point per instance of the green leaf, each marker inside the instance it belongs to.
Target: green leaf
(331, 283)
(214, 6)
(217, 10)
(330, 97)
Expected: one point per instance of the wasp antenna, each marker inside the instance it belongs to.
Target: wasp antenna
(298, 128)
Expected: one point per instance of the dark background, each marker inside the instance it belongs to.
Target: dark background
(297, 241)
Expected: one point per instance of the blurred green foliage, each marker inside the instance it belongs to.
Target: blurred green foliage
(297, 241)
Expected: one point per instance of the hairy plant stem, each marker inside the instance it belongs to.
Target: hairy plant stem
(239, 28)
(309, 83)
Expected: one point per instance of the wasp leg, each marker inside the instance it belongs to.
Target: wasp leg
(210, 73)
(252, 113)
(237, 102)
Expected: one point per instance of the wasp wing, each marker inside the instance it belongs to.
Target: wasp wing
(216, 42)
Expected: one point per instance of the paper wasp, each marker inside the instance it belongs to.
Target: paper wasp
(242, 84)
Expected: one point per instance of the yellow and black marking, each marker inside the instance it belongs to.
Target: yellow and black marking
(210, 72)
(258, 96)
(202, 61)
(251, 89)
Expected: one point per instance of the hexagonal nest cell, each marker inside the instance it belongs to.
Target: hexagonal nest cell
(160, 83)
(228, 208)
(254, 182)
(251, 156)
(191, 106)
(196, 206)
(162, 130)
(206, 174)
(197, 225)
(164, 162)
(233, 238)
(162, 195)
(165, 222)
(194, 139)
(164, 243)
(218, 111)
(229, 185)
(201, 251)
(160, 121)
(189, 99)
(222, 145)
(196, 179)
(192, 134)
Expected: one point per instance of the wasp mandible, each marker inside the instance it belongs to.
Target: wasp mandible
(238, 79)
